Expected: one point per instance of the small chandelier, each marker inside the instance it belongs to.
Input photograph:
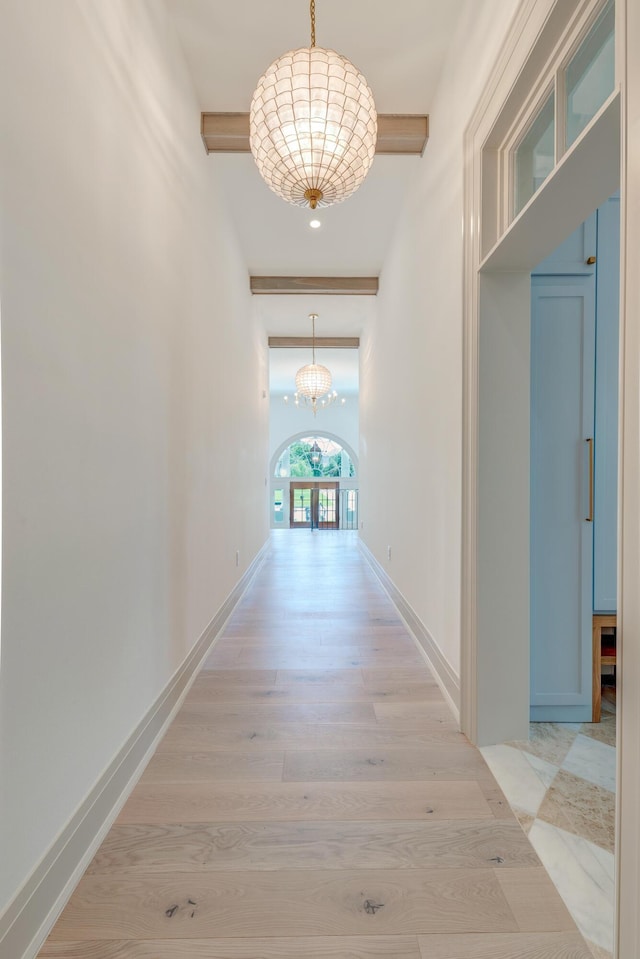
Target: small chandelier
(313, 125)
(315, 454)
(313, 381)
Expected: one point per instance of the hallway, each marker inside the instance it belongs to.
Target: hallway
(314, 798)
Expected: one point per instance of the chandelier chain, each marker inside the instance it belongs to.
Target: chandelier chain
(312, 10)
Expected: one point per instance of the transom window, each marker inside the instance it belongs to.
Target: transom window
(314, 456)
(581, 82)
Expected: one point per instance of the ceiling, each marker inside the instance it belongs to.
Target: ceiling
(400, 48)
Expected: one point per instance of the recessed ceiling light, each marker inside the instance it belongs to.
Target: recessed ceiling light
(315, 224)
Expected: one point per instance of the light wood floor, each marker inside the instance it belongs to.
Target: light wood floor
(314, 799)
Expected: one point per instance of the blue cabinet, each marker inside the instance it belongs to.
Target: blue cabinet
(571, 257)
(605, 526)
(563, 332)
(574, 386)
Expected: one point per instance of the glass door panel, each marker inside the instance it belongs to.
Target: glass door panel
(300, 504)
(327, 508)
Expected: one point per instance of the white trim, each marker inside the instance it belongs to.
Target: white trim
(30, 916)
(444, 675)
(628, 752)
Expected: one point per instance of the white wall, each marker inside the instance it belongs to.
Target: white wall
(411, 446)
(286, 420)
(128, 487)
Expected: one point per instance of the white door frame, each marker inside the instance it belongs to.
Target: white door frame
(495, 535)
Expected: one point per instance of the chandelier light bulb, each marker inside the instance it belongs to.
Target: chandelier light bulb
(313, 126)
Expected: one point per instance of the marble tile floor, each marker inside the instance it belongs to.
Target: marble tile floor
(561, 787)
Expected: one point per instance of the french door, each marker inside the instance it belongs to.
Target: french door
(314, 505)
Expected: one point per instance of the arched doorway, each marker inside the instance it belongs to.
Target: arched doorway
(314, 484)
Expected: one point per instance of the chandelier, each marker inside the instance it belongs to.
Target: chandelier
(313, 381)
(313, 125)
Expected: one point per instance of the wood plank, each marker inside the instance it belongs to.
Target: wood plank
(385, 763)
(218, 691)
(279, 801)
(222, 714)
(309, 676)
(318, 285)
(320, 947)
(241, 735)
(314, 650)
(225, 132)
(321, 640)
(389, 637)
(550, 945)
(412, 714)
(492, 945)
(202, 847)
(212, 679)
(534, 900)
(399, 134)
(325, 657)
(402, 134)
(215, 766)
(244, 677)
(306, 342)
(496, 799)
(290, 903)
(374, 676)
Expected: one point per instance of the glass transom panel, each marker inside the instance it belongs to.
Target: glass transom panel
(535, 155)
(590, 75)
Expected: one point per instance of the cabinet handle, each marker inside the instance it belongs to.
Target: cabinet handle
(589, 518)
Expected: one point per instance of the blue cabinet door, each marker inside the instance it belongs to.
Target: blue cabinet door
(572, 257)
(562, 420)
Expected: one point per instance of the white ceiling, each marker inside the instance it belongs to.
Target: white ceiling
(400, 48)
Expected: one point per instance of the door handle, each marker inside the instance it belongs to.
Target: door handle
(589, 518)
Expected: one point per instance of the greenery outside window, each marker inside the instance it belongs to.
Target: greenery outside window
(314, 456)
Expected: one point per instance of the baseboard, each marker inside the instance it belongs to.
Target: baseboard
(29, 918)
(447, 680)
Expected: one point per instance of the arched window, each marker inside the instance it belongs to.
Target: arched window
(314, 456)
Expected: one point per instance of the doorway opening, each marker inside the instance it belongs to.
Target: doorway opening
(314, 484)
(568, 177)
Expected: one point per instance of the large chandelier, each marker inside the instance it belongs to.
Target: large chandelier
(313, 381)
(313, 125)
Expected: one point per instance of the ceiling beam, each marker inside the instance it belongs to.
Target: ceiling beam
(323, 285)
(322, 342)
(399, 134)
